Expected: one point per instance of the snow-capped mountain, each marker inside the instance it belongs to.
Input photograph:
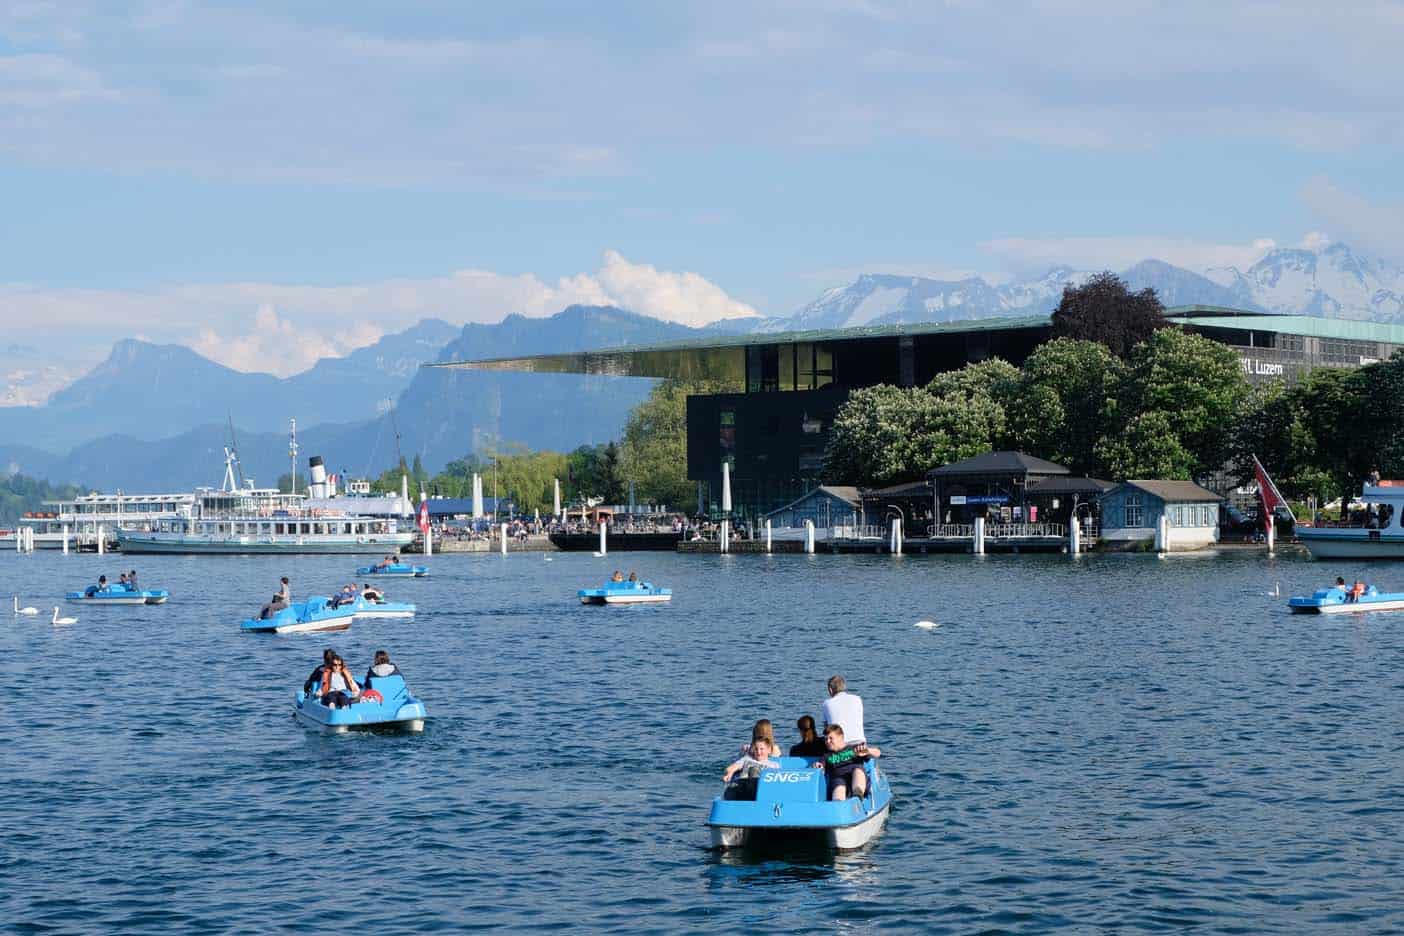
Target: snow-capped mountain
(882, 299)
(1331, 282)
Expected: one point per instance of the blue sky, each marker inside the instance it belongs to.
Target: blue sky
(267, 182)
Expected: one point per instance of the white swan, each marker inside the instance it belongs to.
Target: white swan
(63, 620)
(19, 610)
(927, 625)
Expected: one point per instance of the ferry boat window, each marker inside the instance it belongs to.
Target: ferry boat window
(1134, 515)
(279, 529)
(346, 528)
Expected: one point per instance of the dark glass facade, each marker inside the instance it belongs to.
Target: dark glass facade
(774, 433)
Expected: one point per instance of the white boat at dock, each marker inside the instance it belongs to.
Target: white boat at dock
(1380, 538)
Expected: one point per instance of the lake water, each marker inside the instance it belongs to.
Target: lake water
(1115, 742)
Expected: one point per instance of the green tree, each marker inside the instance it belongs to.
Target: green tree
(653, 450)
(1065, 402)
(1377, 428)
(21, 494)
(1147, 449)
(526, 477)
(884, 434)
(1105, 310)
(593, 472)
(1198, 385)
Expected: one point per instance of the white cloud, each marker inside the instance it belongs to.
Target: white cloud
(276, 344)
(1117, 253)
(283, 329)
(686, 298)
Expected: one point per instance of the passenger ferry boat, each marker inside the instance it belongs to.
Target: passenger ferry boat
(79, 520)
(1384, 539)
(241, 520)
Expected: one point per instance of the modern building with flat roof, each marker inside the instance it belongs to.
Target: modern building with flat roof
(774, 425)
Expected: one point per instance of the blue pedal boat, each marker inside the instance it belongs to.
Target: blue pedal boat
(400, 709)
(302, 617)
(399, 569)
(1333, 601)
(119, 594)
(625, 593)
(792, 807)
(382, 609)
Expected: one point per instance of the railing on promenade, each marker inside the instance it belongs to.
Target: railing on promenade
(1024, 530)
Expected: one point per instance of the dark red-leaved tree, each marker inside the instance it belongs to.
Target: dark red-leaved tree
(1105, 310)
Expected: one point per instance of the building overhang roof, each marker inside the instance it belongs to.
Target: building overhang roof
(722, 357)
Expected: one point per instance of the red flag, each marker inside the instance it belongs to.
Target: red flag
(424, 516)
(1272, 497)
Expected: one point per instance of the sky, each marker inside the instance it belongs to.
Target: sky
(269, 183)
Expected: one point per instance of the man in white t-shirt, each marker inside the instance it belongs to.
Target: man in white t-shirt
(844, 709)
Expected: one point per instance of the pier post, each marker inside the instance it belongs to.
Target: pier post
(102, 541)
(896, 537)
(809, 536)
(504, 539)
(979, 544)
(1074, 536)
(1272, 536)
(1162, 534)
(767, 536)
(725, 540)
(604, 545)
(65, 539)
(429, 541)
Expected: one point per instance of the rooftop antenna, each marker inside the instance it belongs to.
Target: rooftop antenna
(292, 452)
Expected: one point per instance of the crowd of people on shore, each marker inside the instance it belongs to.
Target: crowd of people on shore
(841, 751)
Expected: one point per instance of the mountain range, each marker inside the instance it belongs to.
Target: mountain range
(155, 416)
(440, 414)
(1333, 282)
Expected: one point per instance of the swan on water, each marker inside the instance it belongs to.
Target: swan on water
(927, 625)
(19, 610)
(1276, 590)
(63, 620)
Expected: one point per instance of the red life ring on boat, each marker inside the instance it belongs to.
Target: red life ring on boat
(372, 695)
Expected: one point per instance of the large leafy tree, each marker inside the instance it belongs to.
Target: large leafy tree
(1105, 310)
(653, 450)
(1147, 448)
(1066, 402)
(21, 494)
(1378, 425)
(886, 434)
(1198, 385)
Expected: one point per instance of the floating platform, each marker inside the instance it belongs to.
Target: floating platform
(617, 542)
